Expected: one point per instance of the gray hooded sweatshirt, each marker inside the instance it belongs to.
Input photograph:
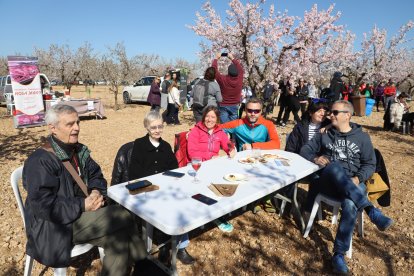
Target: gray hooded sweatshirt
(353, 150)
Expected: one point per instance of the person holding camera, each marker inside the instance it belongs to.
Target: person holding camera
(231, 87)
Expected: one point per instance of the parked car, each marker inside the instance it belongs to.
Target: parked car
(6, 90)
(138, 92)
(101, 82)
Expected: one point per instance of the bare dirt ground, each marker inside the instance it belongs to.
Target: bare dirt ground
(262, 244)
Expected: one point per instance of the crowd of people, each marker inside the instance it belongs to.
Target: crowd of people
(59, 214)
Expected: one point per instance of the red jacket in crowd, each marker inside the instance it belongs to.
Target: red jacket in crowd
(390, 90)
(231, 87)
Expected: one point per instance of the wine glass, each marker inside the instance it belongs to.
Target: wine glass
(256, 153)
(196, 164)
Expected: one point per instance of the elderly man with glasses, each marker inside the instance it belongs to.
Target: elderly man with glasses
(347, 158)
(254, 132)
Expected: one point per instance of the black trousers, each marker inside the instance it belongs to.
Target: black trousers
(283, 107)
(379, 99)
(172, 114)
(197, 112)
(294, 107)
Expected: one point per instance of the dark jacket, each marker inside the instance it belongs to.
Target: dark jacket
(300, 135)
(148, 160)
(268, 91)
(154, 96)
(353, 150)
(51, 206)
(379, 91)
(302, 93)
(385, 199)
(337, 87)
(165, 85)
(120, 171)
(230, 87)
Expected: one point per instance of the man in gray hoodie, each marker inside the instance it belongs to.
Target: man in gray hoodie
(348, 159)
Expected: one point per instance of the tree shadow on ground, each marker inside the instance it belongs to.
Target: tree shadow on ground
(20, 145)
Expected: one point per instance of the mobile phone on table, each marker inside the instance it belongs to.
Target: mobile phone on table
(138, 185)
(173, 174)
(204, 199)
(224, 54)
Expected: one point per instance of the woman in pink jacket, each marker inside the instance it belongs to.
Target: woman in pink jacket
(204, 141)
(206, 138)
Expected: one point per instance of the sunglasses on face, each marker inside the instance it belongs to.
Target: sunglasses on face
(336, 112)
(253, 111)
(154, 128)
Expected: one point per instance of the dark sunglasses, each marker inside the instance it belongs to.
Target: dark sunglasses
(336, 112)
(253, 111)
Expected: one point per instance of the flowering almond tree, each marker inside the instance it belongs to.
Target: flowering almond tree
(380, 59)
(273, 45)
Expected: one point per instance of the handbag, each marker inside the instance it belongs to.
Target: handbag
(179, 107)
(376, 187)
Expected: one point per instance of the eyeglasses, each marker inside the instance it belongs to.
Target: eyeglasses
(253, 111)
(336, 112)
(159, 127)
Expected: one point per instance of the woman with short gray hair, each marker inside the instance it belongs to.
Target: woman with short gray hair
(152, 155)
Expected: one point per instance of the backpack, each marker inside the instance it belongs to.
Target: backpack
(180, 149)
(200, 93)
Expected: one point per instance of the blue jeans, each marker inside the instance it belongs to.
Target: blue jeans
(388, 100)
(185, 241)
(228, 113)
(334, 182)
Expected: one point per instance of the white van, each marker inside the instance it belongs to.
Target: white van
(6, 91)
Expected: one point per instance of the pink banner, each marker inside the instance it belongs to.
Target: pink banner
(27, 92)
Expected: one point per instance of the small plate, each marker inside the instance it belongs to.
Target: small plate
(273, 156)
(247, 160)
(235, 177)
(262, 160)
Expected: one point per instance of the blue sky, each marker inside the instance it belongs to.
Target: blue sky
(156, 27)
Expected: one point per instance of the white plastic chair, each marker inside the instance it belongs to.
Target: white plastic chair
(336, 205)
(9, 103)
(77, 250)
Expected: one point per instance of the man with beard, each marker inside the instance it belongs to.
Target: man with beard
(254, 132)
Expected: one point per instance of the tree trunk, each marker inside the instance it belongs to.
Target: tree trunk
(116, 98)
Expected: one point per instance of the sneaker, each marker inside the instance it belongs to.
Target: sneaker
(268, 207)
(224, 226)
(339, 265)
(184, 257)
(257, 208)
(379, 219)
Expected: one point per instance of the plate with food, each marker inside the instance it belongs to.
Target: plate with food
(273, 156)
(262, 160)
(247, 160)
(232, 177)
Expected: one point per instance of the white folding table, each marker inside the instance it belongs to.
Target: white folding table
(172, 210)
